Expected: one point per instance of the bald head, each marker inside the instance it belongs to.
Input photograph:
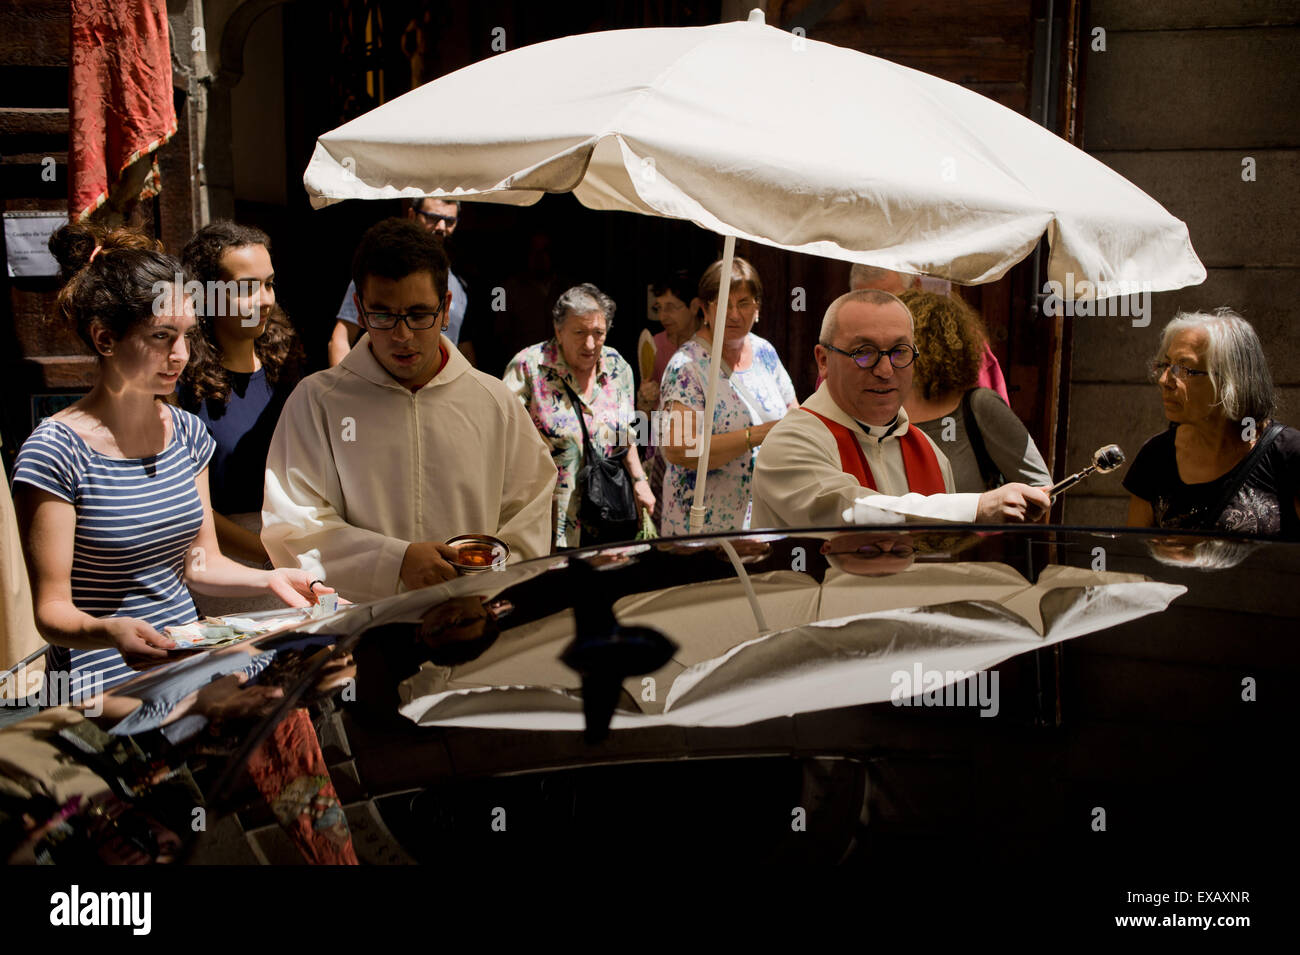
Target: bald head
(865, 296)
(869, 277)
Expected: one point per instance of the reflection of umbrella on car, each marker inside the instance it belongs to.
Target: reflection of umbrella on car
(832, 152)
(834, 643)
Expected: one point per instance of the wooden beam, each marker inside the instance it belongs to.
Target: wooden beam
(55, 372)
(35, 33)
(34, 159)
(26, 121)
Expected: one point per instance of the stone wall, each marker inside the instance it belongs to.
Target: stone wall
(1183, 93)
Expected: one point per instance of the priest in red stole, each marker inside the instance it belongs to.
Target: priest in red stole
(851, 441)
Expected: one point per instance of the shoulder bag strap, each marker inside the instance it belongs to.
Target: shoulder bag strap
(989, 471)
(737, 386)
(582, 420)
(1247, 465)
(752, 404)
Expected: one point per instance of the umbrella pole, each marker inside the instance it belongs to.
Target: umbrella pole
(704, 425)
(759, 620)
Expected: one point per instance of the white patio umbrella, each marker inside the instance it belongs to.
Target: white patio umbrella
(755, 133)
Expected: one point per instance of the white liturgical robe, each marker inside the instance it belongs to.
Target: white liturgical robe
(361, 466)
(798, 481)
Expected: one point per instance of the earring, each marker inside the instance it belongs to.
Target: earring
(108, 351)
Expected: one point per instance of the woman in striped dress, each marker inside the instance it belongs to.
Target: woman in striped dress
(112, 492)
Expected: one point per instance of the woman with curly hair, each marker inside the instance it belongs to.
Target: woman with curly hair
(112, 491)
(246, 359)
(985, 442)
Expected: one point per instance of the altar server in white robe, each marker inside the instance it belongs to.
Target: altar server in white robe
(378, 461)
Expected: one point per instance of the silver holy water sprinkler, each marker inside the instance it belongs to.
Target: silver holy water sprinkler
(1103, 460)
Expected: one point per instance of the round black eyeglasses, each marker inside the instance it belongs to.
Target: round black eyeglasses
(866, 358)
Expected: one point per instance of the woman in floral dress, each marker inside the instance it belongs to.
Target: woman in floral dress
(601, 380)
(755, 392)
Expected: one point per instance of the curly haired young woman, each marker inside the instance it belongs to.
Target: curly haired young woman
(246, 359)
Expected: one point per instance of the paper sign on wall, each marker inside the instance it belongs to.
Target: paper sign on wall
(27, 237)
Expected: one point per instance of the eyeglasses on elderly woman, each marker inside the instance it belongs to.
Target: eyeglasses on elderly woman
(1180, 372)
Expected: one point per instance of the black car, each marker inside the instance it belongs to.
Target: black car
(1055, 700)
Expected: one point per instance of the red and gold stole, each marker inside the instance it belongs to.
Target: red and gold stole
(924, 476)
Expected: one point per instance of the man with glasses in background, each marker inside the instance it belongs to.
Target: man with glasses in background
(849, 454)
(378, 461)
(439, 216)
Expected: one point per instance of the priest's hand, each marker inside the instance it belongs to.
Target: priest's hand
(426, 563)
(1013, 504)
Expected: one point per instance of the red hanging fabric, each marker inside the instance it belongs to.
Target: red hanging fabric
(920, 464)
(120, 99)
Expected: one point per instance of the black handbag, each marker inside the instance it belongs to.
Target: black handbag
(607, 511)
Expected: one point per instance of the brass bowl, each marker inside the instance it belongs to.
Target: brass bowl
(476, 553)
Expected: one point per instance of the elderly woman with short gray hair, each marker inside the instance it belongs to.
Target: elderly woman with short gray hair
(1223, 464)
(576, 368)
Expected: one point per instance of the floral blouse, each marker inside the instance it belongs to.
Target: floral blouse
(730, 488)
(535, 375)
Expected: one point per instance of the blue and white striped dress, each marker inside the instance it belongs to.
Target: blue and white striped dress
(136, 519)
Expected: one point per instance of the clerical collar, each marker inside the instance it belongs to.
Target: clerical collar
(881, 432)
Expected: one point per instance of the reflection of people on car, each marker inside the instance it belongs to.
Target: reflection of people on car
(60, 802)
(870, 554)
(458, 630)
(177, 698)
(240, 682)
(1199, 553)
(449, 633)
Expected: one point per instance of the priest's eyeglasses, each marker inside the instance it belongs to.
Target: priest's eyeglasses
(866, 357)
(879, 549)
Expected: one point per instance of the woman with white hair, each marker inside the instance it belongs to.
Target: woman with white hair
(1223, 464)
(576, 370)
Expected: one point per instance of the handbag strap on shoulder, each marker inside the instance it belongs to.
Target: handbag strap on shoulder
(582, 419)
(990, 473)
(1247, 465)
